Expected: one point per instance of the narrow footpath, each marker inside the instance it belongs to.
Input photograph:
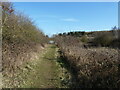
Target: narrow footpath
(46, 72)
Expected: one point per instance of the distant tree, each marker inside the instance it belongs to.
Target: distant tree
(103, 39)
(83, 33)
(47, 36)
(115, 31)
(64, 33)
(115, 28)
(60, 34)
(84, 39)
(71, 33)
(68, 33)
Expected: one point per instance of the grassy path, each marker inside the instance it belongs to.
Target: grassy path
(45, 72)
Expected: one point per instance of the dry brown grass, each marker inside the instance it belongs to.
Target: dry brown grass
(21, 41)
(96, 67)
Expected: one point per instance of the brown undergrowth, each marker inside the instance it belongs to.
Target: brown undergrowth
(95, 66)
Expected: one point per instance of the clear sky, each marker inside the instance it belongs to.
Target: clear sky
(56, 17)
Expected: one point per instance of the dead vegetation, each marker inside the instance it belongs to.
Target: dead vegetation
(94, 66)
(21, 41)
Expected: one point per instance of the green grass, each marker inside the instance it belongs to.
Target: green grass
(45, 72)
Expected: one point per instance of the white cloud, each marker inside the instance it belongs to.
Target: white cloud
(70, 20)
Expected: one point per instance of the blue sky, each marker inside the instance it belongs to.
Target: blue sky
(56, 17)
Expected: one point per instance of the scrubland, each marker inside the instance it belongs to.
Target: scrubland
(93, 56)
(21, 41)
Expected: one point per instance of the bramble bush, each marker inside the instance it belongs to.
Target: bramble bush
(84, 39)
(20, 38)
(103, 39)
(95, 67)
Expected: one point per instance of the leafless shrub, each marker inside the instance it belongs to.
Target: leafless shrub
(103, 39)
(96, 67)
(84, 39)
(21, 38)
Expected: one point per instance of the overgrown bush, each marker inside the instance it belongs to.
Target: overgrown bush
(21, 38)
(95, 67)
(103, 39)
(84, 39)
